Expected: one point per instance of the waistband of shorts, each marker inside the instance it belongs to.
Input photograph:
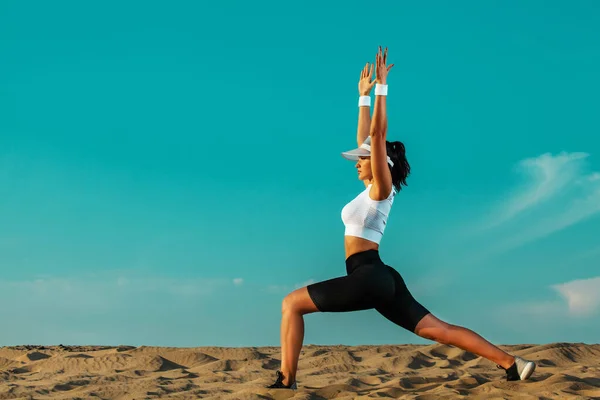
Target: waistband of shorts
(362, 258)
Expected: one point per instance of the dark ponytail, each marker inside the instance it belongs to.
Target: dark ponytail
(401, 168)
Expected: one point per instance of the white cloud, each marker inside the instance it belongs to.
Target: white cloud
(238, 281)
(582, 295)
(550, 175)
(559, 195)
(577, 211)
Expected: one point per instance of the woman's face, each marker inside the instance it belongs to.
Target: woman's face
(363, 165)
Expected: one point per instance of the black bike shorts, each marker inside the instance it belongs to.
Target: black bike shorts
(369, 284)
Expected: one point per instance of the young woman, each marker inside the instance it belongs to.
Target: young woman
(369, 283)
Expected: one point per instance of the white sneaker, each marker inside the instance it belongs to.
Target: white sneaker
(520, 370)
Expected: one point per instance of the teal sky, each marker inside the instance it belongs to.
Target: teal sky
(169, 172)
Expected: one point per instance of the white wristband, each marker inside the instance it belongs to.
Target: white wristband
(381, 90)
(364, 101)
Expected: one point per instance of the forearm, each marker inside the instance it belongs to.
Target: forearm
(379, 123)
(364, 123)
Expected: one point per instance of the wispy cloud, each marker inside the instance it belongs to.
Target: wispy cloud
(549, 176)
(577, 211)
(238, 281)
(559, 194)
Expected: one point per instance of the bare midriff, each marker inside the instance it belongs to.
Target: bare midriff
(355, 245)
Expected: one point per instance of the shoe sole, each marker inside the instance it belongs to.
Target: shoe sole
(528, 370)
(293, 387)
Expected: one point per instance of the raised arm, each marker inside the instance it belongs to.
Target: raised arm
(382, 177)
(365, 84)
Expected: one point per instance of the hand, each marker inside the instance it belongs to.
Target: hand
(365, 84)
(382, 70)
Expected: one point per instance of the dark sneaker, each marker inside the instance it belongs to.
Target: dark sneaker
(520, 370)
(279, 383)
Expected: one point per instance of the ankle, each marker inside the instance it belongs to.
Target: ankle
(510, 360)
(288, 379)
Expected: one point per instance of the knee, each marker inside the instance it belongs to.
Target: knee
(298, 302)
(288, 304)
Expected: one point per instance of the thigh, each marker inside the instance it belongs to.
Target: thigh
(365, 288)
(403, 310)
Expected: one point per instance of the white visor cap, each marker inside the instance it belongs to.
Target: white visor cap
(363, 151)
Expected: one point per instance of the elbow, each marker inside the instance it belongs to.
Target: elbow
(379, 123)
(379, 131)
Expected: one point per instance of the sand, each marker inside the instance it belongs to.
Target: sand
(564, 371)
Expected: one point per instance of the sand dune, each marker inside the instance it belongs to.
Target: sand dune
(565, 370)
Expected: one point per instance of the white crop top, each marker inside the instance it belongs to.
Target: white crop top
(365, 217)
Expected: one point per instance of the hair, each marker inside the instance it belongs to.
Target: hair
(401, 168)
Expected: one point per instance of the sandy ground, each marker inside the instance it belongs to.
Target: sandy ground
(564, 371)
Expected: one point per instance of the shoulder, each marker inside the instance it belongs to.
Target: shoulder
(381, 192)
(377, 194)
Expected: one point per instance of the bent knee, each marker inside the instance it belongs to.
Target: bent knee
(298, 301)
(287, 304)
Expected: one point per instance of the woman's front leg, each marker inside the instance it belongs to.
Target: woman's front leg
(294, 306)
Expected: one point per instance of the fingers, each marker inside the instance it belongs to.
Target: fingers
(380, 62)
(367, 71)
(382, 58)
